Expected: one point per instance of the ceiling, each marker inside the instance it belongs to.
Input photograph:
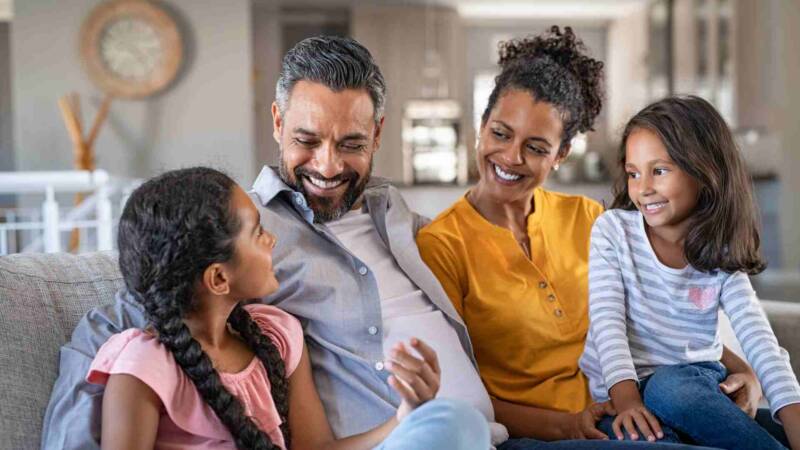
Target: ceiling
(496, 9)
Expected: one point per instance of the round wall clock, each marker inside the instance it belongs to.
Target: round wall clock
(131, 48)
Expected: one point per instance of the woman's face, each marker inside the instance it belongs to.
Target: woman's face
(253, 275)
(518, 146)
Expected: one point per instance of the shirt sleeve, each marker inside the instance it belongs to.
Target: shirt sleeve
(607, 314)
(283, 329)
(72, 418)
(752, 329)
(441, 259)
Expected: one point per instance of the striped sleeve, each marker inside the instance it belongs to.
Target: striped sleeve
(768, 359)
(607, 304)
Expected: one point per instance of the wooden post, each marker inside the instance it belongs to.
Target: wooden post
(83, 148)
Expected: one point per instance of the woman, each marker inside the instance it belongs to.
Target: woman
(513, 257)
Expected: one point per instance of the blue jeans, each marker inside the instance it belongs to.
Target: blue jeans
(691, 408)
(440, 424)
(533, 444)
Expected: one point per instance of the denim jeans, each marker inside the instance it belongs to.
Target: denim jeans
(440, 424)
(691, 408)
(533, 444)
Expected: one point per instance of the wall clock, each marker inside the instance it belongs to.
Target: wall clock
(131, 48)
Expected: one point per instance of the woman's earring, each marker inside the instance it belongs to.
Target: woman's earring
(555, 167)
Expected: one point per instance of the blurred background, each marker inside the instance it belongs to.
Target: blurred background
(439, 59)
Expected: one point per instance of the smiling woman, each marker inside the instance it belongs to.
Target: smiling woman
(534, 290)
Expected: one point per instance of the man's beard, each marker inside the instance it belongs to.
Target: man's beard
(327, 209)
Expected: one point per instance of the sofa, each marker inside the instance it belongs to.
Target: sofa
(43, 296)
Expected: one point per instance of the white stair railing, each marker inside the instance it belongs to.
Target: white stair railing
(98, 204)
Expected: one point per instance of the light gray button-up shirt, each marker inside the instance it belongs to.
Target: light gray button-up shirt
(331, 292)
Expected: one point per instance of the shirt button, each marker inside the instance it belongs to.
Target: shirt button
(542, 284)
(379, 365)
(298, 200)
(559, 313)
(551, 298)
(372, 330)
(362, 270)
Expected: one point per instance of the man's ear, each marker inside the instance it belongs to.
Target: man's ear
(378, 131)
(216, 279)
(277, 122)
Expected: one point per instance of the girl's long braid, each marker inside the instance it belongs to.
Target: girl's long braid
(175, 335)
(268, 353)
(172, 228)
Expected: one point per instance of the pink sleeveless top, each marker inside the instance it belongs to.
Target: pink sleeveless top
(187, 422)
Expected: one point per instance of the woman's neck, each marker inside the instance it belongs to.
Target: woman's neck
(512, 215)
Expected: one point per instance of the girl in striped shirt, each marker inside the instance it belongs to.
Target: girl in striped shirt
(678, 244)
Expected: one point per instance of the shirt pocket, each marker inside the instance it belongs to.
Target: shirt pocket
(694, 302)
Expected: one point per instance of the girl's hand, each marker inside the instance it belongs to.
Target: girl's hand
(743, 388)
(637, 416)
(585, 426)
(416, 380)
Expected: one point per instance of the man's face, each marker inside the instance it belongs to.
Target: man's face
(327, 141)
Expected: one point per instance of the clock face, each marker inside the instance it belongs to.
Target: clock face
(131, 49)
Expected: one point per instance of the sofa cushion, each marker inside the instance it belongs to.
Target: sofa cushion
(42, 298)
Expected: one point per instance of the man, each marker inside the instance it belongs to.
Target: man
(347, 265)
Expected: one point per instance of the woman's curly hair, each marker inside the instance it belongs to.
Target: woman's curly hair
(553, 67)
(172, 228)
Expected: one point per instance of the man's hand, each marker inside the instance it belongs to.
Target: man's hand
(585, 426)
(743, 388)
(416, 380)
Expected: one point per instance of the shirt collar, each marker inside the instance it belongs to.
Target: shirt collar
(268, 185)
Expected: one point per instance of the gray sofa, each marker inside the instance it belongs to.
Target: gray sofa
(42, 297)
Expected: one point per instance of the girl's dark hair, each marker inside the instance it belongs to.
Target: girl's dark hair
(172, 228)
(724, 233)
(553, 68)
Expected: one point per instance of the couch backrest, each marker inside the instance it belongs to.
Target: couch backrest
(42, 298)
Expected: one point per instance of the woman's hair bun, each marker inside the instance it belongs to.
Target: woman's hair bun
(566, 50)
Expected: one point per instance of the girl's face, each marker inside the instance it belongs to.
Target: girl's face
(518, 146)
(665, 194)
(253, 276)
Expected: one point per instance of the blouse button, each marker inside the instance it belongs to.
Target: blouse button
(379, 365)
(362, 270)
(372, 330)
(551, 298)
(559, 313)
(542, 284)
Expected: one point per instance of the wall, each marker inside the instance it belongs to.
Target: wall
(204, 118)
(626, 71)
(267, 56)
(395, 35)
(767, 70)
(6, 126)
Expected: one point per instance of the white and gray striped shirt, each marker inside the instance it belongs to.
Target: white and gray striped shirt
(644, 314)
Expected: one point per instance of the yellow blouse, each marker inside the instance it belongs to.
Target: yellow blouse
(527, 318)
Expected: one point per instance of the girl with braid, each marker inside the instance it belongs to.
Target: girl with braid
(211, 371)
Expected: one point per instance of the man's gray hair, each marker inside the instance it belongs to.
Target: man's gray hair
(336, 62)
